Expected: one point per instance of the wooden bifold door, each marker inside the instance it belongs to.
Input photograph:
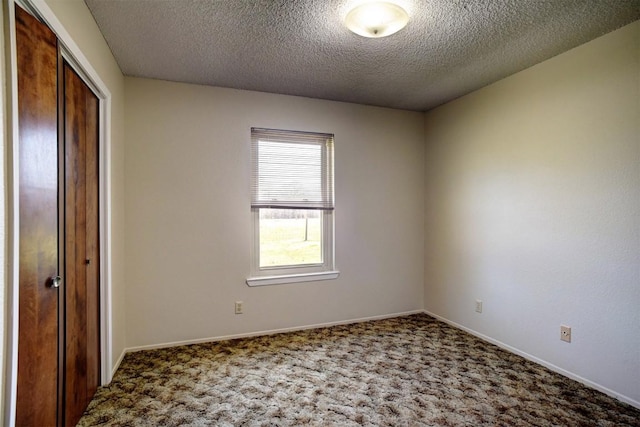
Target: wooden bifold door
(59, 259)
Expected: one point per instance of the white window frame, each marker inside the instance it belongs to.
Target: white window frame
(261, 276)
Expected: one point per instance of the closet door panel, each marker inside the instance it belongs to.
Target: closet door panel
(92, 208)
(37, 380)
(81, 234)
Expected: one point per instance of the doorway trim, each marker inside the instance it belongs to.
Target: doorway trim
(73, 55)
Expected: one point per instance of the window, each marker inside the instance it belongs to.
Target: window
(292, 206)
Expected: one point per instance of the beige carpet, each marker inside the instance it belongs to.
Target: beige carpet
(407, 371)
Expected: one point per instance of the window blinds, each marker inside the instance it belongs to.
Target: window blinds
(291, 169)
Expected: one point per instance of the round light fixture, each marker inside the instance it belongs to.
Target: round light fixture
(376, 19)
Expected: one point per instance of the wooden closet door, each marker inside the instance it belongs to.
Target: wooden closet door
(58, 327)
(82, 340)
(38, 362)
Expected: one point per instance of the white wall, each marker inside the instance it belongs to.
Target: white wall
(188, 221)
(533, 206)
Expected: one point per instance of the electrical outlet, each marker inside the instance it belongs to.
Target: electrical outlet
(565, 333)
(478, 306)
(239, 308)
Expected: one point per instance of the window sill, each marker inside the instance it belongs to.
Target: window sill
(292, 278)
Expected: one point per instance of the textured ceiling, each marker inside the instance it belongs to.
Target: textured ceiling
(301, 47)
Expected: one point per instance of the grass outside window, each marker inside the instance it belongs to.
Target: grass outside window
(290, 237)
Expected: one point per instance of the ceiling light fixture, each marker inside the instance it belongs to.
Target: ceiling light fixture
(376, 19)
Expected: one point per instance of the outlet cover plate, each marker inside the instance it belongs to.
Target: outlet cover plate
(565, 333)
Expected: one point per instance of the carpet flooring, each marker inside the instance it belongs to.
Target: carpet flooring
(405, 371)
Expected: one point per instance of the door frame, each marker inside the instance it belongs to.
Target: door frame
(73, 55)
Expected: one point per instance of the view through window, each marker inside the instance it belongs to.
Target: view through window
(290, 237)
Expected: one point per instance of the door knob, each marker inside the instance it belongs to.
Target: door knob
(55, 281)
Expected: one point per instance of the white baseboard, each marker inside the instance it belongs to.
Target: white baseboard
(267, 332)
(539, 361)
(118, 362)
